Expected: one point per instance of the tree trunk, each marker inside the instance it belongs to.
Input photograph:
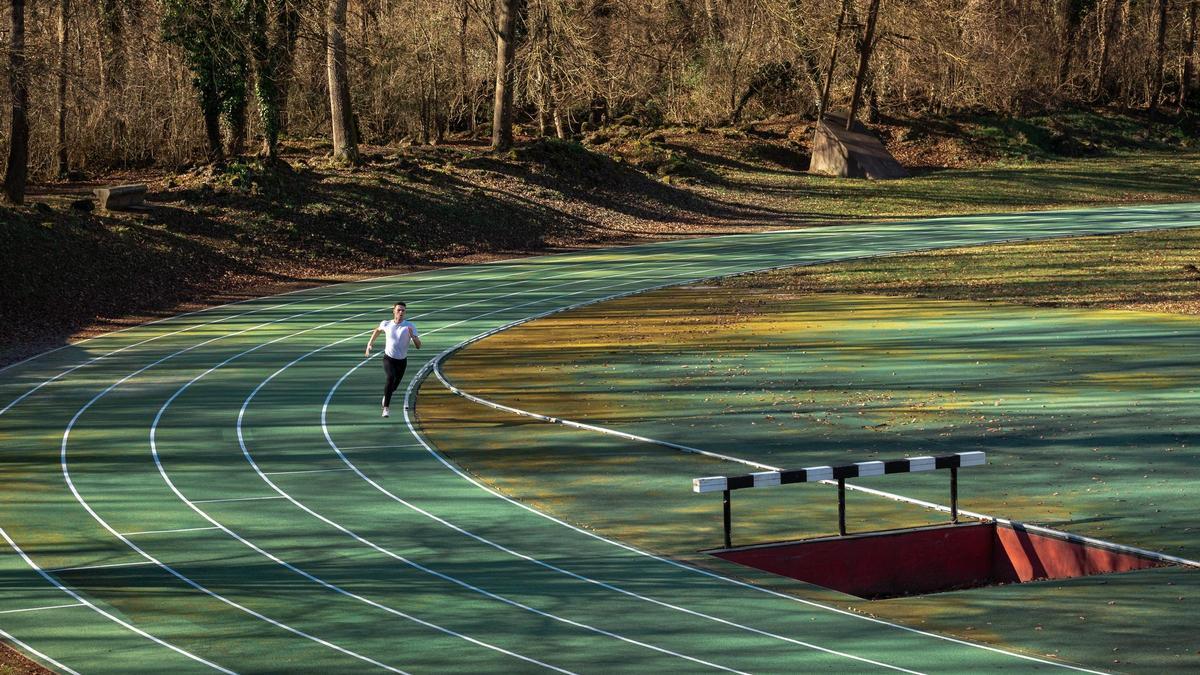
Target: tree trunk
(210, 106)
(287, 31)
(1107, 35)
(60, 103)
(823, 103)
(1189, 61)
(264, 61)
(1071, 16)
(864, 58)
(112, 54)
(601, 20)
(506, 48)
(1159, 56)
(17, 170)
(235, 119)
(345, 145)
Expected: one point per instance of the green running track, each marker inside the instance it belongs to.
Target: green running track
(217, 491)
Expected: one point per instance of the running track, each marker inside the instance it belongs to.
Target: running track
(216, 491)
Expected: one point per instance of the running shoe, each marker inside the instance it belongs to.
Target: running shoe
(385, 412)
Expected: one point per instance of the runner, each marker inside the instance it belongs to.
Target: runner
(395, 352)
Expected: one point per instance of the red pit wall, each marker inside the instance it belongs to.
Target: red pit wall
(932, 559)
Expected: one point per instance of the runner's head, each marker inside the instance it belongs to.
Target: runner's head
(398, 310)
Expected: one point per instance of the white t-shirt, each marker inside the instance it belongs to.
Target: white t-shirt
(398, 337)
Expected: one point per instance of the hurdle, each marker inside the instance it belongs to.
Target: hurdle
(814, 474)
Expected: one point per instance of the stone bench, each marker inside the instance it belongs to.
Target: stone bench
(120, 197)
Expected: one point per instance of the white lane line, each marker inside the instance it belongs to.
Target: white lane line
(29, 560)
(170, 483)
(181, 529)
(66, 472)
(8, 636)
(397, 278)
(116, 619)
(100, 567)
(39, 609)
(250, 398)
(434, 364)
(235, 499)
(364, 477)
(446, 577)
(390, 279)
(1059, 534)
(644, 248)
(95, 516)
(382, 447)
(287, 473)
(191, 504)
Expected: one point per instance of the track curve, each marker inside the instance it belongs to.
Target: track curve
(216, 491)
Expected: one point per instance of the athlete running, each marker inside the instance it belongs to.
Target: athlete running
(395, 351)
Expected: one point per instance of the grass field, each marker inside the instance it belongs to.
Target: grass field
(217, 491)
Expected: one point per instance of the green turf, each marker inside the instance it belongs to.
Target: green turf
(338, 584)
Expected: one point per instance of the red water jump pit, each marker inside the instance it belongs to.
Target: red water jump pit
(924, 560)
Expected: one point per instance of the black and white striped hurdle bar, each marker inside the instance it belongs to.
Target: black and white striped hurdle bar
(814, 474)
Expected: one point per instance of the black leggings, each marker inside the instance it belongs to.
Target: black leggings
(395, 372)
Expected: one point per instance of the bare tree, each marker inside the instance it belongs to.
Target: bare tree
(864, 58)
(1072, 14)
(287, 31)
(1188, 77)
(1108, 35)
(833, 51)
(506, 46)
(60, 103)
(1160, 52)
(17, 170)
(600, 19)
(345, 144)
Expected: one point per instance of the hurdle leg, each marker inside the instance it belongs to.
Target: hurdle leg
(954, 494)
(728, 521)
(842, 506)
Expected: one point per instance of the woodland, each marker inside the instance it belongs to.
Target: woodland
(100, 85)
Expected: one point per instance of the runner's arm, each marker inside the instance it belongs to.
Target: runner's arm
(371, 342)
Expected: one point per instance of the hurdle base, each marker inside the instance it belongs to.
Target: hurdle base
(923, 560)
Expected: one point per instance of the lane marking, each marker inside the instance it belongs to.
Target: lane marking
(285, 473)
(182, 529)
(95, 516)
(29, 560)
(166, 478)
(516, 261)
(235, 499)
(577, 262)
(100, 567)
(66, 473)
(9, 636)
(39, 609)
(409, 562)
(336, 449)
(1116, 212)
(414, 384)
(116, 619)
(1057, 534)
(382, 447)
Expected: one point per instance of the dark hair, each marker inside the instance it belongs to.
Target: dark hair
(400, 304)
